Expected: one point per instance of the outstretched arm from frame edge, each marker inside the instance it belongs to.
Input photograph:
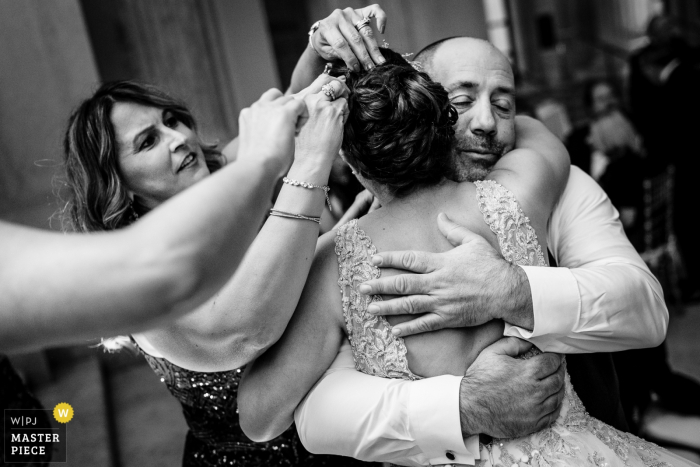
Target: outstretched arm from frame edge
(60, 289)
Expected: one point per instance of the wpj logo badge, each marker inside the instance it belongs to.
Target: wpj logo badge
(32, 435)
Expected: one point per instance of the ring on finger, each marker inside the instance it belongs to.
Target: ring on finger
(362, 23)
(328, 90)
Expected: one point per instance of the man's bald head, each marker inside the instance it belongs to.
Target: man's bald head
(463, 44)
(480, 84)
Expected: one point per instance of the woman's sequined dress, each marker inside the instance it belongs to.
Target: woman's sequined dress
(215, 437)
(575, 438)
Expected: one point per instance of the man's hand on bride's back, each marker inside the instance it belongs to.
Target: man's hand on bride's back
(506, 397)
(466, 286)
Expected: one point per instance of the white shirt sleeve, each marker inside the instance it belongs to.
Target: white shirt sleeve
(602, 297)
(352, 414)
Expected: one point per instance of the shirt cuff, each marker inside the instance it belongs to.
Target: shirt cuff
(434, 423)
(556, 305)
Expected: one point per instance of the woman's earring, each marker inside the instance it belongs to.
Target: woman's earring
(133, 215)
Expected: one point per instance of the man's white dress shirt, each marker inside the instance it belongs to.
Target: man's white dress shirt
(602, 297)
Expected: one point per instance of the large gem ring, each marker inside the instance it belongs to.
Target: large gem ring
(328, 91)
(362, 23)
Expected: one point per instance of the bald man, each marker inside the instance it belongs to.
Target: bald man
(604, 299)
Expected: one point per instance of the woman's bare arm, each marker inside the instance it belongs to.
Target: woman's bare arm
(59, 289)
(251, 312)
(277, 382)
(337, 40)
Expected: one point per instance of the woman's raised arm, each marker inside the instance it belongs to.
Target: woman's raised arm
(251, 312)
(58, 289)
(336, 39)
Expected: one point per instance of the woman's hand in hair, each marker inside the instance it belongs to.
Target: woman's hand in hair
(337, 38)
(316, 86)
(267, 130)
(319, 139)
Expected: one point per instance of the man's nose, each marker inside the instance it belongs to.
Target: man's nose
(483, 122)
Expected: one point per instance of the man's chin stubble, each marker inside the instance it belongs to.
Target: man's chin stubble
(470, 171)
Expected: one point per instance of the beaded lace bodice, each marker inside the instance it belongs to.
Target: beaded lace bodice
(575, 438)
(375, 349)
(502, 213)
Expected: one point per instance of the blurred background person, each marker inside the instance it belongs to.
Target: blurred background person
(608, 148)
(664, 97)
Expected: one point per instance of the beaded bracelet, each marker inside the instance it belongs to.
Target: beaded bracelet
(291, 215)
(325, 188)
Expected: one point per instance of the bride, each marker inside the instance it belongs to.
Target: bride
(398, 139)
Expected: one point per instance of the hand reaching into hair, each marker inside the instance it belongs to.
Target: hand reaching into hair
(321, 130)
(338, 39)
(267, 130)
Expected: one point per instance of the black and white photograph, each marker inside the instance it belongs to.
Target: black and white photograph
(320, 233)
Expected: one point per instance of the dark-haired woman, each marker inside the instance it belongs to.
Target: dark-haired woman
(131, 147)
(398, 138)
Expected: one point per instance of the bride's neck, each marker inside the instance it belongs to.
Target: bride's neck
(422, 195)
(425, 196)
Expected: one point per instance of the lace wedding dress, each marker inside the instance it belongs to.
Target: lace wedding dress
(575, 438)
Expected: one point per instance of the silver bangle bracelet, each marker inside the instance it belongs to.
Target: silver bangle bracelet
(291, 215)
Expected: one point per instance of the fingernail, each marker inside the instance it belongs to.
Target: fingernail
(395, 331)
(381, 60)
(356, 67)
(376, 260)
(342, 78)
(365, 289)
(370, 66)
(373, 309)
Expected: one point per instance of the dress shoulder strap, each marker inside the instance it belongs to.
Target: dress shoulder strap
(375, 349)
(502, 213)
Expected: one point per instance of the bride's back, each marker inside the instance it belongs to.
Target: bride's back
(398, 139)
(410, 223)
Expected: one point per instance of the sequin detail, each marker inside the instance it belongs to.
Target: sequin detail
(209, 404)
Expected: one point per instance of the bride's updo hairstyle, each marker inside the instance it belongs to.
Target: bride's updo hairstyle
(399, 132)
